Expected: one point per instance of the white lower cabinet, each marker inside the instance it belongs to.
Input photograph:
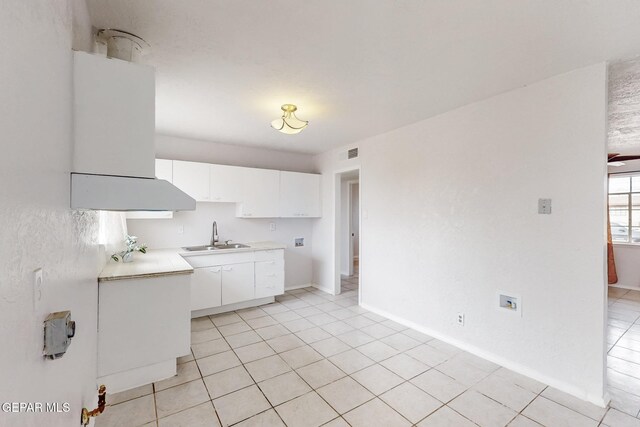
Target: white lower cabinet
(143, 326)
(230, 278)
(206, 285)
(237, 283)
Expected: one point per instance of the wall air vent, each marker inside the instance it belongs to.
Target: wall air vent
(352, 153)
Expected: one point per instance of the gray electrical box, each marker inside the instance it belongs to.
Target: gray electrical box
(58, 331)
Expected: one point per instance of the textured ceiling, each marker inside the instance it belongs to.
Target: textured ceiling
(355, 68)
(624, 107)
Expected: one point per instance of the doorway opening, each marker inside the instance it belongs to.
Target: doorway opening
(348, 232)
(350, 273)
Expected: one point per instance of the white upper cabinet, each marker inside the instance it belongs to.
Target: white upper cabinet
(260, 194)
(193, 179)
(164, 169)
(226, 183)
(299, 195)
(114, 116)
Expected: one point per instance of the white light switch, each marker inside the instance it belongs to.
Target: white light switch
(544, 206)
(37, 289)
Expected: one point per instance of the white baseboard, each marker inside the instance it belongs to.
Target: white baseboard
(304, 285)
(323, 289)
(624, 286)
(137, 377)
(601, 401)
(231, 307)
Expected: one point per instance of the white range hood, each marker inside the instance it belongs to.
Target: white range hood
(114, 139)
(120, 193)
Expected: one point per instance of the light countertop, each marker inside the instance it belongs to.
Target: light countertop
(165, 262)
(156, 262)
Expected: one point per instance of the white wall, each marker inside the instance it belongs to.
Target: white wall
(177, 148)
(38, 228)
(165, 233)
(449, 217)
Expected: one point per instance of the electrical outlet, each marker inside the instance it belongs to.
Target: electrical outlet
(181, 229)
(460, 319)
(37, 288)
(272, 226)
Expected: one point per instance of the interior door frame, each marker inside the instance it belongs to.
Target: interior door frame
(337, 212)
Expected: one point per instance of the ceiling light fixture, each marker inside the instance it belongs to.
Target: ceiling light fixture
(289, 123)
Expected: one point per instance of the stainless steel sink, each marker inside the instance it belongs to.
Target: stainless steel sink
(215, 247)
(232, 246)
(200, 248)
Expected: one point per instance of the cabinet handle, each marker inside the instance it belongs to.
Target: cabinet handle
(271, 275)
(227, 268)
(215, 270)
(248, 214)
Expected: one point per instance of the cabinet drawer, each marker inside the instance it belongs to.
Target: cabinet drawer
(269, 255)
(269, 278)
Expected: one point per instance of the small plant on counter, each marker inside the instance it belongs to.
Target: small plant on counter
(132, 246)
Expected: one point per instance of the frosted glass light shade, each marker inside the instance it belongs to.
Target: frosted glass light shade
(289, 123)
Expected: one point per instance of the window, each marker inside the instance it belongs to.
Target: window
(624, 207)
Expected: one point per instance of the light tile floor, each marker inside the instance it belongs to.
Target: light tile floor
(623, 359)
(313, 359)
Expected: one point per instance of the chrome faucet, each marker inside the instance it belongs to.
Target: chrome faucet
(214, 234)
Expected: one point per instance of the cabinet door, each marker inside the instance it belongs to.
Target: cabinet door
(299, 195)
(142, 322)
(269, 278)
(237, 283)
(226, 183)
(206, 288)
(260, 194)
(192, 178)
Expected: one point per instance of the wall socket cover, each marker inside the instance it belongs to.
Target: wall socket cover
(299, 241)
(272, 226)
(460, 319)
(544, 206)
